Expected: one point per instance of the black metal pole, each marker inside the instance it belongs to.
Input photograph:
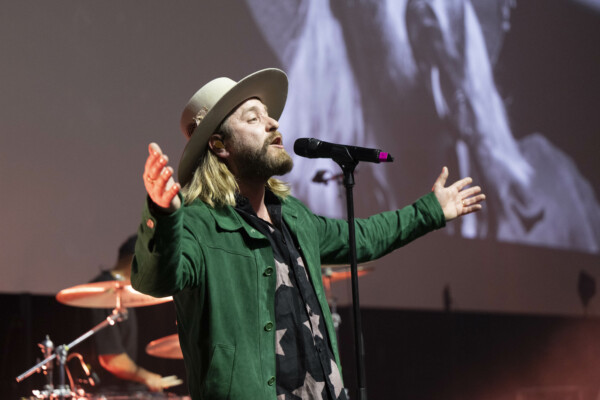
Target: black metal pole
(61, 356)
(348, 169)
(117, 315)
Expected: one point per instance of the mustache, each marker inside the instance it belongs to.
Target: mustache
(272, 137)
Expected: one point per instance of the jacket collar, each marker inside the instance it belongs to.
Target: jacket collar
(228, 219)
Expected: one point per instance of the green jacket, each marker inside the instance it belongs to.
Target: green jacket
(222, 276)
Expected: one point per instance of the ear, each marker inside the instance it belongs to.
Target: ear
(215, 142)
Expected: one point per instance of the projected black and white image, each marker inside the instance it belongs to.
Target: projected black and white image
(380, 73)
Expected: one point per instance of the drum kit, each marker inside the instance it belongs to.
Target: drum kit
(119, 295)
(336, 273)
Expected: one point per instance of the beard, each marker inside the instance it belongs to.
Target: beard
(259, 163)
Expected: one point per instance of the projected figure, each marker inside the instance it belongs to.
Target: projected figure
(325, 97)
(362, 64)
(533, 179)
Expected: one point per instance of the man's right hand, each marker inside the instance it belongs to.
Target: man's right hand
(158, 180)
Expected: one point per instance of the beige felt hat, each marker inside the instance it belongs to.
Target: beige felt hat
(220, 97)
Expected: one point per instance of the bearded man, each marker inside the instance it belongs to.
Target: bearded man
(242, 257)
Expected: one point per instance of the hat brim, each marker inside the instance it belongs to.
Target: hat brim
(268, 85)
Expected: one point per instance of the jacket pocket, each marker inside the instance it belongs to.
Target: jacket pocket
(217, 384)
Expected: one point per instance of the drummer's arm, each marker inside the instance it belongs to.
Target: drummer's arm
(122, 366)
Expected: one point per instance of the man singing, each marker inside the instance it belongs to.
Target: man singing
(242, 257)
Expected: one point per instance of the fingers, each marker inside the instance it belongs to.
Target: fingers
(158, 177)
(169, 381)
(163, 177)
(155, 164)
(470, 192)
(472, 204)
(154, 382)
(471, 209)
(459, 185)
(441, 180)
(170, 187)
(154, 153)
(154, 148)
(164, 188)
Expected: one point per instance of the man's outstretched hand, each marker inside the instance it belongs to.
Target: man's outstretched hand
(158, 180)
(457, 200)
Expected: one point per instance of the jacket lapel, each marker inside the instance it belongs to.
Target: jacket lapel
(290, 216)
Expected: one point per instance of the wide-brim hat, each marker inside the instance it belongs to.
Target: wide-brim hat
(220, 97)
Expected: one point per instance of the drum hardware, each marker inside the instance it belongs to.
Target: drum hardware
(64, 391)
(336, 273)
(117, 294)
(47, 347)
(91, 379)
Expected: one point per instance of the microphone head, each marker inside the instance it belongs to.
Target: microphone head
(306, 147)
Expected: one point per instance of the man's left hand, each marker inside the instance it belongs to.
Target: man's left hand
(457, 199)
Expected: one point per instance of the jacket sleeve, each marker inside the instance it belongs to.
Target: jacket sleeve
(167, 256)
(379, 234)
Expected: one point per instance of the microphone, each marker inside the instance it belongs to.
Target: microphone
(315, 148)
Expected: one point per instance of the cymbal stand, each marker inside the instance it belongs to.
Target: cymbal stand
(60, 354)
(47, 347)
(337, 319)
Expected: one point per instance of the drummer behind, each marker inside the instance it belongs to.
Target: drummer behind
(116, 346)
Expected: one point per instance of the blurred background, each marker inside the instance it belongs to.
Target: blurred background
(499, 305)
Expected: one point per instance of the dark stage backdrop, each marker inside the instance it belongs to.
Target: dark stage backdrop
(505, 93)
(420, 355)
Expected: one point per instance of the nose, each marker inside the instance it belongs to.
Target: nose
(272, 124)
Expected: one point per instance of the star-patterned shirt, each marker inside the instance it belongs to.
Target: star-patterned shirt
(306, 367)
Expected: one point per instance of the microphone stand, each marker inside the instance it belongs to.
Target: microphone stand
(348, 164)
(60, 355)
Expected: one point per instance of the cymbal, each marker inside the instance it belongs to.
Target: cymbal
(166, 347)
(335, 273)
(106, 294)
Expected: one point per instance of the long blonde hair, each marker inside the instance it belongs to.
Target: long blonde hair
(214, 184)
